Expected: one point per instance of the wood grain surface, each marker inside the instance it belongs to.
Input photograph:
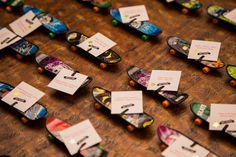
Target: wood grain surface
(17, 139)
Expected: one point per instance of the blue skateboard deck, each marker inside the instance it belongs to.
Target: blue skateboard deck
(144, 27)
(49, 22)
(24, 47)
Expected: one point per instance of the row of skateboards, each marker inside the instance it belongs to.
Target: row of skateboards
(137, 75)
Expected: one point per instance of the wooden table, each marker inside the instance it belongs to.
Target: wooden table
(17, 139)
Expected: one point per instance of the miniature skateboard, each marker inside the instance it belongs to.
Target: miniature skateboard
(188, 5)
(135, 121)
(35, 112)
(147, 29)
(12, 4)
(168, 136)
(218, 14)
(202, 112)
(182, 46)
(54, 126)
(99, 4)
(52, 24)
(141, 77)
(107, 58)
(54, 65)
(231, 71)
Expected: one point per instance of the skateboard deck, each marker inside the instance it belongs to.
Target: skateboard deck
(103, 4)
(139, 121)
(54, 126)
(35, 112)
(219, 13)
(168, 136)
(144, 27)
(109, 57)
(12, 3)
(142, 77)
(54, 65)
(24, 47)
(203, 112)
(189, 4)
(51, 23)
(231, 71)
(182, 46)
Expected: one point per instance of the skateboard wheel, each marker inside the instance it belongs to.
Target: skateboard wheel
(198, 121)
(103, 65)
(52, 35)
(130, 128)
(115, 22)
(73, 48)
(165, 103)
(96, 9)
(24, 120)
(145, 37)
(206, 70)
(50, 137)
(172, 51)
(233, 83)
(215, 21)
(98, 106)
(132, 83)
(40, 70)
(9, 9)
(185, 11)
(18, 56)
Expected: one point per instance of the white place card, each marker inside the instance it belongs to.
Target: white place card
(184, 147)
(23, 96)
(67, 81)
(231, 15)
(209, 49)
(222, 115)
(25, 24)
(127, 102)
(97, 44)
(7, 38)
(134, 13)
(165, 80)
(80, 136)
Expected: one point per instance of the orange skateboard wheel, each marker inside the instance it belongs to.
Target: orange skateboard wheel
(198, 121)
(206, 70)
(172, 51)
(165, 103)
(24, 120)
(40, 70)
(132, 83)
(233, 83)
(98, 106)
(130, 128)
(103, 65)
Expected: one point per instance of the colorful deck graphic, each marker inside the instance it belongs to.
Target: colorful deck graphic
(24, 47)
(54, 126)
(168, 136)
(103, 97)
(54, 65)
(12, 3)
(143, 27)
(49, 22)
(190, 4)
(231, 70)
(109, 57)
(142, 77)
(35, 112)
(183, 46)
(219, 13)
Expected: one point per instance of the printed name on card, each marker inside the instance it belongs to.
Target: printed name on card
(126, 102)
(25, 24)
(164, 80)
(80, 136)
(133, 13)
(67, 81)
(97, 44)
(23, 96)
(7, 38)
(204, 50)
(184, 147)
